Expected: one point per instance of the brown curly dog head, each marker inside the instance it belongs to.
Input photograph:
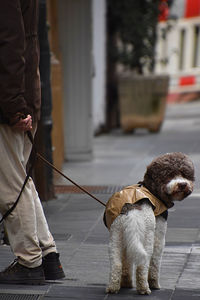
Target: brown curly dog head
(170, 177)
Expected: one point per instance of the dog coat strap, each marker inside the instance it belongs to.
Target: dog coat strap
(160, 207)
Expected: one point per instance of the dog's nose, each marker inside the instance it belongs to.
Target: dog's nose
(182, 185)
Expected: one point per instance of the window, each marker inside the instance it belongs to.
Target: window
(182, 49)
(196, 51)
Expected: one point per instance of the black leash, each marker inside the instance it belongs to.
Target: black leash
(36, 154)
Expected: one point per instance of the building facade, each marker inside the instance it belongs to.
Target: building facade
(178, 48)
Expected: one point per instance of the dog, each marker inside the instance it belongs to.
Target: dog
(137, 220)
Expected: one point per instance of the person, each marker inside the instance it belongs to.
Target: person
(32, 243)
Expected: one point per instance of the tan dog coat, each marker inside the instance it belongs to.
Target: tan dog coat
(130, 194)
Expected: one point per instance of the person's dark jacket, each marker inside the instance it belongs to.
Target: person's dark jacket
(19, 56)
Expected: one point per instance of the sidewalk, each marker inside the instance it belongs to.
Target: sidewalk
(76, 219)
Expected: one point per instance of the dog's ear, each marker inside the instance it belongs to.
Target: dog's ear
(187, 169)
(150, 180)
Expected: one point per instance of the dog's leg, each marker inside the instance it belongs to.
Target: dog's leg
(142, 284)
(127, 269)
(159, 243)
(115, 255)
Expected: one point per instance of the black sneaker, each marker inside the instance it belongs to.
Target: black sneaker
(52, 266)
(18, 274)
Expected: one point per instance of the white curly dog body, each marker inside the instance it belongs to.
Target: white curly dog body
(136, 244)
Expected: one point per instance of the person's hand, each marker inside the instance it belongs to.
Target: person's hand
(24, 124)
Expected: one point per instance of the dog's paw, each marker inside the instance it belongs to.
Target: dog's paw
(112, 289)
(146, 291)
(154, 285)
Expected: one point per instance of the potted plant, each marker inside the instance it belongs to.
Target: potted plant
(142, 94)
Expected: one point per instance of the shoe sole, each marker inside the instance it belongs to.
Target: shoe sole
(55, 276)
(24, 281)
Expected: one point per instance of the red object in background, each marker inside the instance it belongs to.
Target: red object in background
(192, 8)
(164, 10)
(187, 80)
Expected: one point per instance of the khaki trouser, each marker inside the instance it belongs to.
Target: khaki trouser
(27, 228)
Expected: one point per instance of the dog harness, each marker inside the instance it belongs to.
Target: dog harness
(131, 194)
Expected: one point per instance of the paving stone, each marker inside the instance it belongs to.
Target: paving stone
(186, 294)
(76, 293)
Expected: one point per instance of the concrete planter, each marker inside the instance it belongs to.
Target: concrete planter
(142, 101)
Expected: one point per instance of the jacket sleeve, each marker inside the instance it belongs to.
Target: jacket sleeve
(12, 62)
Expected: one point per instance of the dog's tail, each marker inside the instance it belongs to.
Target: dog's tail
(134, 238)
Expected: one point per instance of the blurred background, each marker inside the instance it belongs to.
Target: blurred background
(108, 69)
